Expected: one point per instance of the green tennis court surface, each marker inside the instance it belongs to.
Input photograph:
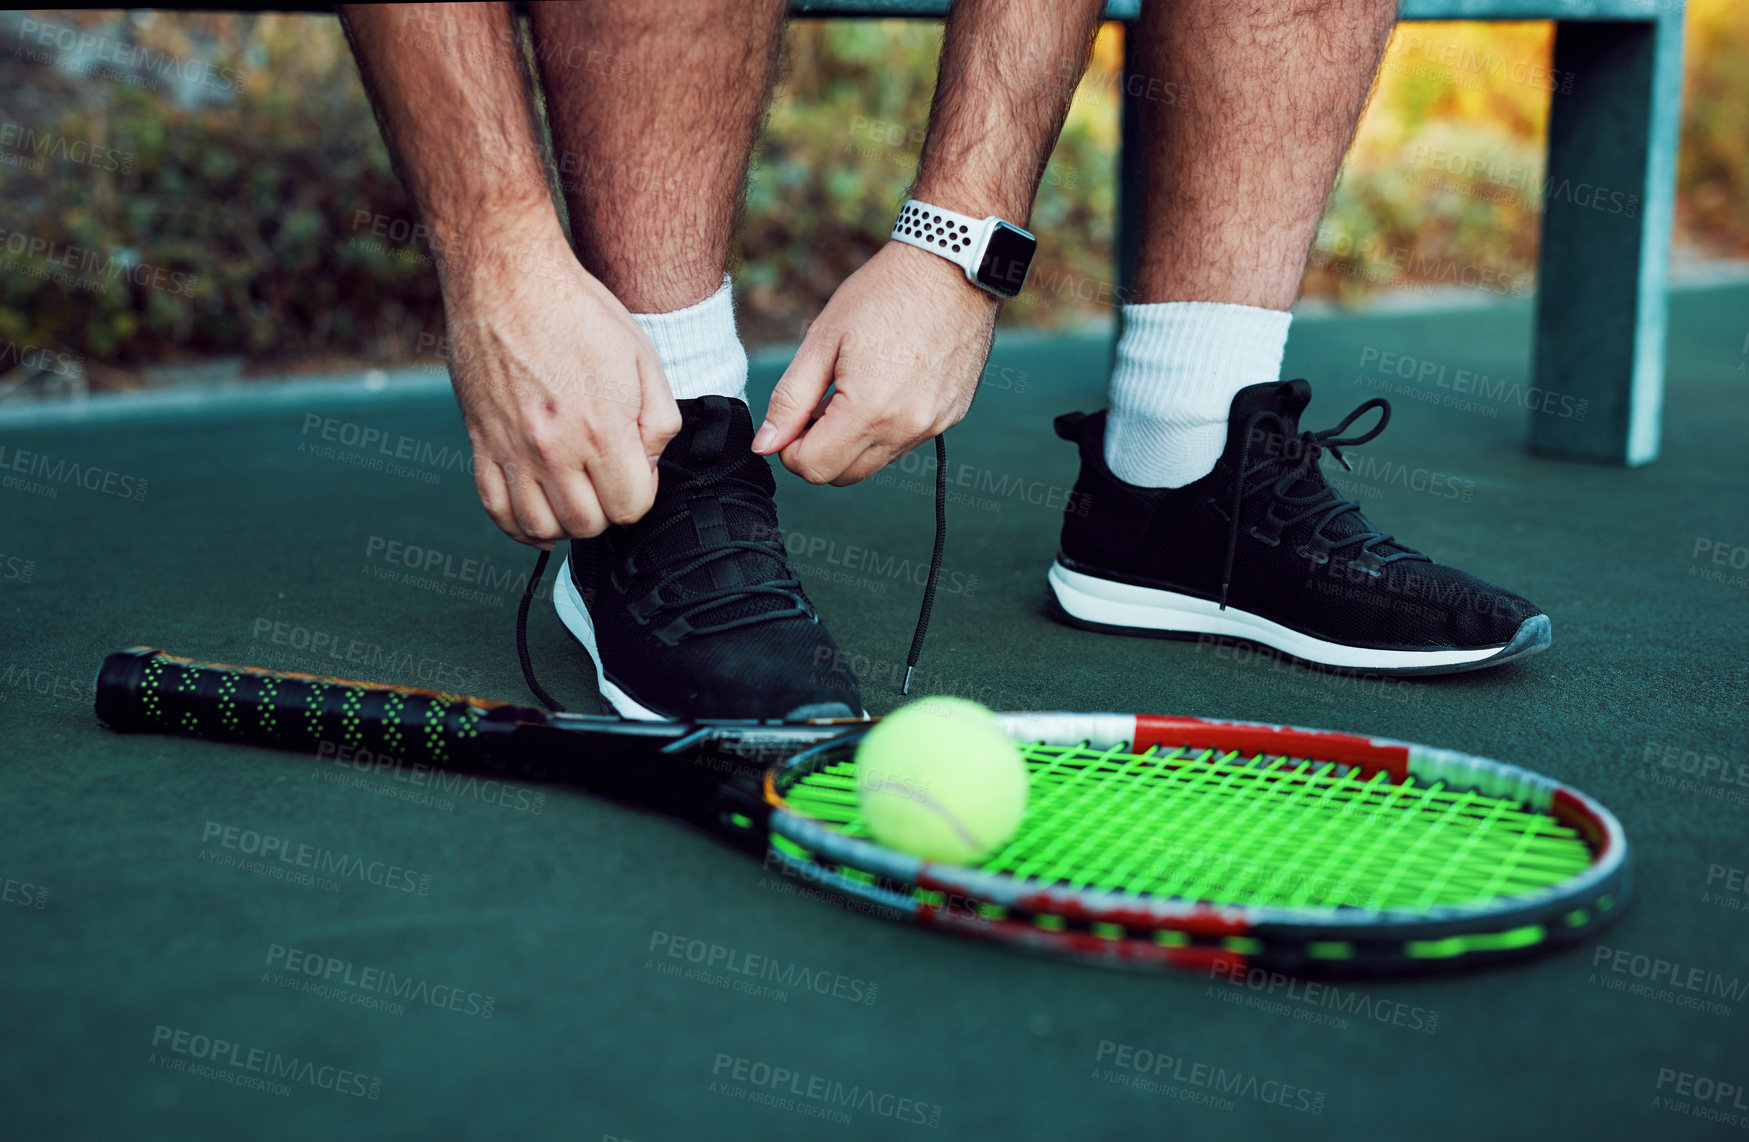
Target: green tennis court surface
(394, 954)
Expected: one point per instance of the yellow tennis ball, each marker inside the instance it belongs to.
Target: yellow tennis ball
(939, 779)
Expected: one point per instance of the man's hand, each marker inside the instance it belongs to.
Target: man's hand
(904, 339)
(564, 398)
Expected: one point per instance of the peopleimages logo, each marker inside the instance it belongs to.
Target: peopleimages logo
(1427, 375)
(1668, 981)
(79, 259)
(813, 1096)
(24, 894)
(1701, 1087)
(38, 357)
(1151, 1071)
(862, 561)
(430, 560)
(383, 445)
(325, 975)
(963, 480)
(1675, 766)
(70, 473)
(49, 683)
(327, 647)
(16, 569)
(1704, 765)
(715, 963)
(130, 57)
(268, 847)
(44, 144)
(250, 1066)
(1317, 998)
(442, 783)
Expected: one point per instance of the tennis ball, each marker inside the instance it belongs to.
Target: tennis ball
(939, 779)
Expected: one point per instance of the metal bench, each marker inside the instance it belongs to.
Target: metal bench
(1600, 305)
(1601, 278)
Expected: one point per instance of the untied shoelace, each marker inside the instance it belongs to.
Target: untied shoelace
(704, 602)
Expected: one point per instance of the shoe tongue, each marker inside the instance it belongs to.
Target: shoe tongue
(710, 428)
(1286, 399)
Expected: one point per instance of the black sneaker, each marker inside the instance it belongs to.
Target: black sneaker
(1263, 549)
(693, 611)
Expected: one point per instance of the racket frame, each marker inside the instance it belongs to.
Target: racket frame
(729, 776)
(1129, 930)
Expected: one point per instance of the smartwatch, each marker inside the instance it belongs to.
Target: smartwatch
(995, 255)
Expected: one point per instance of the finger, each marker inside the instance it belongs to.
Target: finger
(872, 460)
(658, 414)
(494, 488)
(574, 504)
(819, 408)
(622, 477)
(534, 516)
(834, 441)
(800, 391)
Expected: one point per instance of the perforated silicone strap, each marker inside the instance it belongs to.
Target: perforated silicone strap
(956, 237)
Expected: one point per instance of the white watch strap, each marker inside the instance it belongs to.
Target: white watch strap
(956, 237)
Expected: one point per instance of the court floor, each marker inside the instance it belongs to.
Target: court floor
(512, 962)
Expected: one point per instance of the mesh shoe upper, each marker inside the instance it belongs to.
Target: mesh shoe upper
(696, 610)
(1301, 555)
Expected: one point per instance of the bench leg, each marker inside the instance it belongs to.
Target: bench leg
(1604, 262)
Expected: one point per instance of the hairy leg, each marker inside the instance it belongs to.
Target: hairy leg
(1239, 165)
(654, 107)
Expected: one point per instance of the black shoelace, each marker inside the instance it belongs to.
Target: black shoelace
(695, 603)
(1280, 478)
(691, 602)
(934, 561)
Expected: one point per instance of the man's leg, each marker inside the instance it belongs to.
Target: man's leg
(1201, 506)
(654, 107)
(693, 611)
(1238, 165)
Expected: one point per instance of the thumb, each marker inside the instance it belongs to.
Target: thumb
(798, 392)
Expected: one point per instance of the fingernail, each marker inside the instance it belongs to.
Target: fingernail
(763, 438)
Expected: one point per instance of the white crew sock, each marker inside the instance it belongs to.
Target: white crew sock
(1178, 365)
(700, 351)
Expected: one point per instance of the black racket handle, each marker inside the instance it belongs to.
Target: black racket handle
(147, 690)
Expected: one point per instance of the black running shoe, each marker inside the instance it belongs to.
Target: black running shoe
(1263, 549)
(693, 611)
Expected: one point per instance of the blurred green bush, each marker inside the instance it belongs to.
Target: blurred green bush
(255, 198)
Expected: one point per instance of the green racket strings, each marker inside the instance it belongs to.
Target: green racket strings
(1228, 829)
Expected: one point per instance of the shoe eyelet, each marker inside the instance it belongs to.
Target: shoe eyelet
(1261, 538)
(674, 632)
(1373, 571)
(1315, 556)
(644, 608)
(623, 572)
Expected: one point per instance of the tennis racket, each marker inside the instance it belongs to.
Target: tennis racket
(1149, 841)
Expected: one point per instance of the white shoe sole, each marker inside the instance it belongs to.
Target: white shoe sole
(576, 618)
(1108, 604)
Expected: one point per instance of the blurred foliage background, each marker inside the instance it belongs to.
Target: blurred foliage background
(181, 188)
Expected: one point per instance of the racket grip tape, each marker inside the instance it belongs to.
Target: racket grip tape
(147, 690)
